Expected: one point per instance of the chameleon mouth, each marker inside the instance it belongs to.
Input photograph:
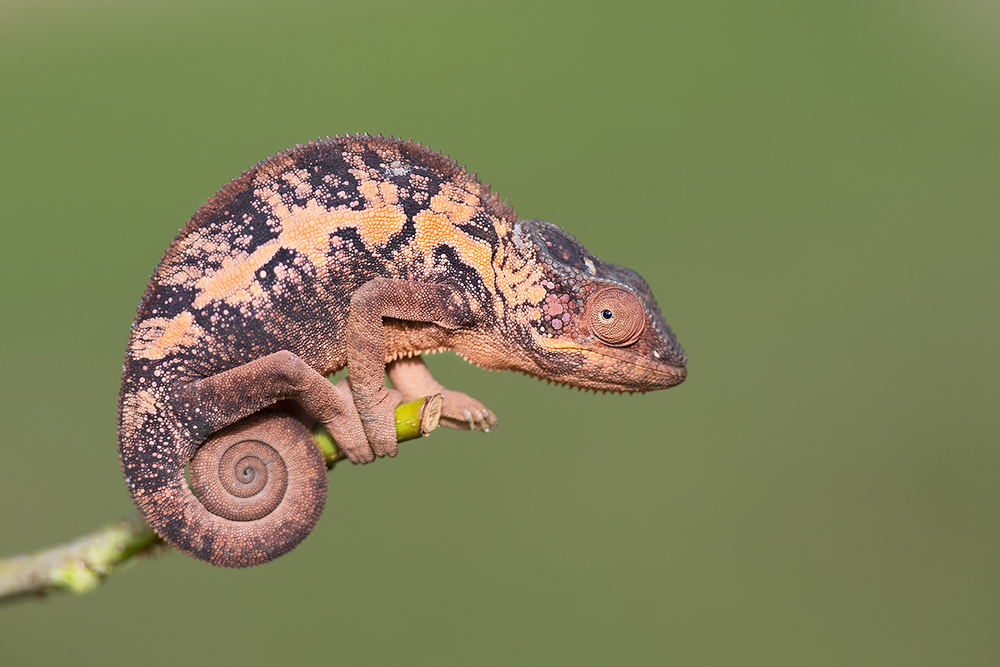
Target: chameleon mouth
(666, 380)
(678, 372)
(638, 376)
(613, 374)
(611, 370)
(661, 377)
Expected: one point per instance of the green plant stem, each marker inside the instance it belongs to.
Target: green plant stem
(82, 565)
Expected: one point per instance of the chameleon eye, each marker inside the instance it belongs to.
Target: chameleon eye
(616, 316)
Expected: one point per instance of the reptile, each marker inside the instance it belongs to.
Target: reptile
(360, 252)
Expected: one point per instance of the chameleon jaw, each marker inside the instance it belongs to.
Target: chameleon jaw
(593, 368)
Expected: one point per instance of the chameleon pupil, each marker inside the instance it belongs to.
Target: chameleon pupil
(607, 314)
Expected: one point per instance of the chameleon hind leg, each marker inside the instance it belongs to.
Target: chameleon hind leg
(223, 398)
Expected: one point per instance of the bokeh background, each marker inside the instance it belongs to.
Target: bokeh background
(810, 188)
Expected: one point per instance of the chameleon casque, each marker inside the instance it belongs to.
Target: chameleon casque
(361, 252)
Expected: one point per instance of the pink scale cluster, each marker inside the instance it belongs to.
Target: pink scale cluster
(555, 308)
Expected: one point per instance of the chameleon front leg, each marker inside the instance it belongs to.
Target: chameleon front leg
(412, 378)
(435, 303)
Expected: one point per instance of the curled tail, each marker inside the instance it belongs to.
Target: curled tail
(259, 485)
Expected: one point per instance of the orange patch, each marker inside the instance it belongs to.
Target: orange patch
(455, 204)
(369, 190)
(143, 402)
(520, 281)
(434, 229)
(377, 193)
(307, 229)
(158, 337)
(233, 279)
(535, 293)
(376, 225)
(304, 229)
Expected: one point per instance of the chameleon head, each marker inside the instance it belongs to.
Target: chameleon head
(584, 322)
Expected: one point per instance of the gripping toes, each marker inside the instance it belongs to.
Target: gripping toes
(461, 411)
(381, 427)
(378, 435)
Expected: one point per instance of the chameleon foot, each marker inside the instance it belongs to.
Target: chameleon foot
(461, 411)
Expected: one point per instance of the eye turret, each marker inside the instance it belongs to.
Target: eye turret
(616, 316)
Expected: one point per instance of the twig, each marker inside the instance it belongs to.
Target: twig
(80, 566)
(77, 567)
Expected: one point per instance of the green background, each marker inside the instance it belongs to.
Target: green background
(812, 191)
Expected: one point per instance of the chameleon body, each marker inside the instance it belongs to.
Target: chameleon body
(361, 252)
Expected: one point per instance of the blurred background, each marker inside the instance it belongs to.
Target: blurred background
(811, 189)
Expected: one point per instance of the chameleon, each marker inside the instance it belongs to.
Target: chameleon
(361, 252)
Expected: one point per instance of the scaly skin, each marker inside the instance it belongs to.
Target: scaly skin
(361, 252)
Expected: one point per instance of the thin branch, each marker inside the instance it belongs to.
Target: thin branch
(77, 567)
(82, 565)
